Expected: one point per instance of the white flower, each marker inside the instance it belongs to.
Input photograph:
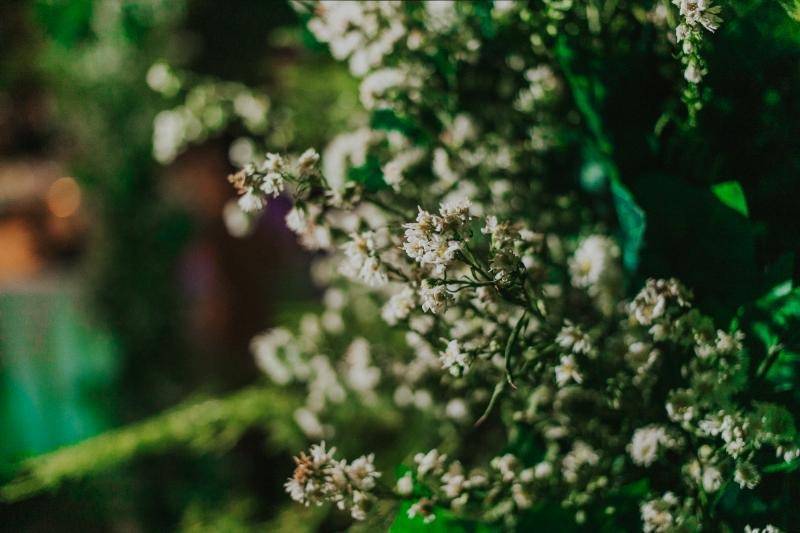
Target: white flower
(746, 475)
(427, 239)
(169, 135)
(237, 222)
(277, 355)
(394, 169)
(252, 109)
(441, 15)
(312, 235)
(454, 359)
(362, 260)
(361, 472)
(454, 481)
(442, 168)
(769, 528)
(375, 86)
(429, 463)
(399, 306)
(162, 79)
(361, 375)
(501, 7)
(344, 151)
(592, 261)
(272, 184)
(506, 465)
(434, 297)
(296, 220)
(307, 161)
(581, 454)
(309, 423)
(363, 31)
(653, 300)
(644, 446)
(693, 73)
(405, 485)
(572, 338)
(568, 371)
(712, 479)
(457, 409)
(319, 478)
(658, 515)
(422, 508)
(272, 163)
(251, 201)
(700, 12)
(543, 470)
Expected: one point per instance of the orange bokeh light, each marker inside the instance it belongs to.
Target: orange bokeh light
(64, 197)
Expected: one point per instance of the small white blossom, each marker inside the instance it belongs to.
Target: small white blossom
(658, 515)
(429, 463)
(645, 444)
(769, 528)
(434, 298)
(454, 359)
(699, 12)
(746, 475)
(572, 338)
(251, 201)
(307, 161)
(593, 260)
(399, 306)
(405, 485)
(568, 371)
(581, 455)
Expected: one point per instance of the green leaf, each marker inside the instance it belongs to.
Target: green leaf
(731, 194)
(369, 174)
(792, 8)
(631, 221)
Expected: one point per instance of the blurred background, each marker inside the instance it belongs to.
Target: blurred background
(121, 290)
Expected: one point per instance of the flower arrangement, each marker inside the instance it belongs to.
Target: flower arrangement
(510, 291)
(490, 301)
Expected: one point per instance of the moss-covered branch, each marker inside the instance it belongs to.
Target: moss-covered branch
(201, 426)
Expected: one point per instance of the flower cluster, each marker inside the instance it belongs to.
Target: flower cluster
(505, 307)
(433, 240)
(695, 17)
(320, 478)
(208, 107)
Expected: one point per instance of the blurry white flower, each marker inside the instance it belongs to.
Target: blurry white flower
(454, 359)
(405, 485)
(399, 306)
(568, 371)
(658, 515)
(593, 259)
(237, 222)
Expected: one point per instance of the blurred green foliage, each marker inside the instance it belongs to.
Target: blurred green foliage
(55, 367)
(200, 426)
